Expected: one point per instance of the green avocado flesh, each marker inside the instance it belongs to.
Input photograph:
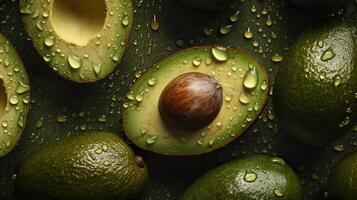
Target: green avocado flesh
(255, 177)
(342, 183)
(14, 97)
(92, 165)
(83, 41)
(208, 4)
(315, 89)
(245, 89)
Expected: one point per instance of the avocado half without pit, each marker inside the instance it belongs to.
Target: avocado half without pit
(14, 97)
(195, 101)
(83, 41)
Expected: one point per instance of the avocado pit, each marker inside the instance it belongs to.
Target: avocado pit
(191, 101)
(78, 21)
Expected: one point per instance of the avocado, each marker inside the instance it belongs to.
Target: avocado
(210, 5)
(91, 165)
(315, 89)
(215, 94)
(254, 177)
(342, 182)
(14, 96)
(83, 41)
(319, 4)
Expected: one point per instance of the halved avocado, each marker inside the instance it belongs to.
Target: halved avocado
(81, 40)
(244, 84)
(14, 97)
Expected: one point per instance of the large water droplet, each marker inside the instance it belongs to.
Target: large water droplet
(250, 80)
(22, 87)
(250, 177)
(244, 99)
(220, 53)
(328, 55)
(155, 25)
(337, 81)
(74, 61)
(50, 41)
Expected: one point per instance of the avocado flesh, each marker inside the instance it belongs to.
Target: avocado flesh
(92, 165)
(254, 177)
(342, 182)
(14, 97)
(210, 5)
(315, 89)
(144, 126)
(319, 4)
(83, 41)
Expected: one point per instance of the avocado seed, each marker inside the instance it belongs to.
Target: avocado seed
(191, 101)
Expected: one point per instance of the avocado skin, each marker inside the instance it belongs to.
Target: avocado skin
(342, 182)
(70, 169)
(319, 4)
(310, 108)
(208, 5)
(226, 182)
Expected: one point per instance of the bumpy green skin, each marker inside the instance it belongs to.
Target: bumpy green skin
(15, 82)
(226, 182)
(209, 5)
(72, 169)
(342, 183)
(98, 58)
(309, 106)
(318, 4)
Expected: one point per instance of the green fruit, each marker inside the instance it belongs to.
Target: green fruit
(195, 101)
(315, 89)
(96, 166)
(14, 96)
(319, 4)
(83, 41)
(254, 177)
(208, 4)
(342, 182)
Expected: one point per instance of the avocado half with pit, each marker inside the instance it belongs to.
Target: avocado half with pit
(195, 101)
(83, 41)
(14, 97)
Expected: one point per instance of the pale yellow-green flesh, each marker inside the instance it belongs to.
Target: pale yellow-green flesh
(78, 21)
(81, 40)
(14, 97)
(144, 126)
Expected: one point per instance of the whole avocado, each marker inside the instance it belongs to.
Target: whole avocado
(315, 88)
(254, 177)
(319, 4)
(95, 166)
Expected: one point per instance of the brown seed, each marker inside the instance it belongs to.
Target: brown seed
(191, 101)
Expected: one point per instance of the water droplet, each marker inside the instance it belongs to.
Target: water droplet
(248, 34)
(139, 97)
(208, 31)
(20, 122)
(26, 10)
(250, 177)
(264, 85)
(328, 55)
(220, 53)
(228, 98)
(278, 193)
(155, 25)
(14, 100)
(234, 18)
(50, 41)
(244, 99)
(345, 122)
(115, 58)
(211, 142)
(277, 58)
(278, 161)
(62, 118)
(4, 124)
(74, 61)
(125, 20)
(102, 119)
(250, 79)
(97, 69)
(152, 81)
(337, 81)
(197, 61)
(225, 29)
(22, 87)
(339, 148)
(269, 22)
(151, 140)
(106, 163)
